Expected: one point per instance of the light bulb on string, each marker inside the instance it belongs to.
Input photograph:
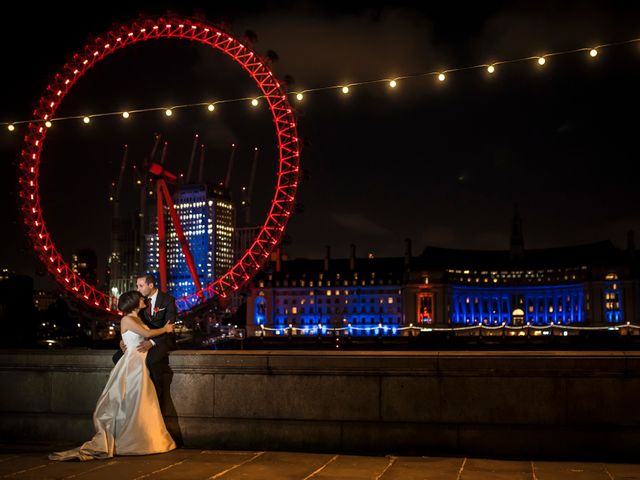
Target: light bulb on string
(541, 60)
(48, 124)
(86, 119)
(168, 112)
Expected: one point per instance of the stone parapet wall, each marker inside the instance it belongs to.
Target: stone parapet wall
(551, 404)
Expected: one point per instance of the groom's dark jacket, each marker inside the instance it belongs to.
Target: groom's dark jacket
(163, 312)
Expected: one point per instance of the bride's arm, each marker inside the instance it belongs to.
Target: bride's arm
(143, 330)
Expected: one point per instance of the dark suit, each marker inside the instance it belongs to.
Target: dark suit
(158, 356)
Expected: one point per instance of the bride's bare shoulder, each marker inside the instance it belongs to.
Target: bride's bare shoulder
(126, 322)
(132, 322)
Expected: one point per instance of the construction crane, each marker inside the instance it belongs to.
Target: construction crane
(191, 159)
(115, 256)
(201, 172)
(249, 193)
(118, 185)
(163, 155)
(143, 204)
(232, 155)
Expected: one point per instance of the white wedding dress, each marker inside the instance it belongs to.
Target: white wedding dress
(127, 418)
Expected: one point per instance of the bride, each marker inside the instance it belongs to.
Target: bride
(127, 417)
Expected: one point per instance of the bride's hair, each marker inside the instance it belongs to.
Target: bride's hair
(129, 301)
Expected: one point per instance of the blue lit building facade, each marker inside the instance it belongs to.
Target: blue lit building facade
(585, 285)
(516, 305)
(207, 218)
(361, 296)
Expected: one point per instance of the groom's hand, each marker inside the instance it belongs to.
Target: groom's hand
(123, 346)
(144, 346)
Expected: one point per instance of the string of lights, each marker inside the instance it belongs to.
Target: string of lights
(491, 68)
(324, 328)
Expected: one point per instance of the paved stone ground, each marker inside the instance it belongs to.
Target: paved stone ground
(30, 462)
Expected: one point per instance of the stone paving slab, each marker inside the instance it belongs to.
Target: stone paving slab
(427, 468)
(475, 469)
(623, 471)
(206, 464)
(280, 465)
(353, 467)
(31, 462)
(571, 470)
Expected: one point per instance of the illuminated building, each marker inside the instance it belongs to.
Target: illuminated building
(123, 265)
(582, 285)
(363, 296)
(579, 285)
(42, 299)
(84, 263)
(207, 218)
(5, 274)
(243, 238)
(585, 285)
(224, 221)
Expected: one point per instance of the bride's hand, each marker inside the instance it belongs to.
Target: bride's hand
(169, 327)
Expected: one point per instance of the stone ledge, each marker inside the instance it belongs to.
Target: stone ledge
(450, 363)
(496, 403)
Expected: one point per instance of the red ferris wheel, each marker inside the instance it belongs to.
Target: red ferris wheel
(104, 45)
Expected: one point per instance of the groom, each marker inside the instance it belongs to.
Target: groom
(161, 309)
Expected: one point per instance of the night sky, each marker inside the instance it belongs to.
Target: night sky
(440, 163)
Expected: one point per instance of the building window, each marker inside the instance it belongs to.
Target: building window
(425, 308)
(612, 300)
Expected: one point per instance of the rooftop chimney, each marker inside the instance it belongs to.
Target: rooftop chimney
(279, 258)
(327, 257)
(407, 252)
(352, 258)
